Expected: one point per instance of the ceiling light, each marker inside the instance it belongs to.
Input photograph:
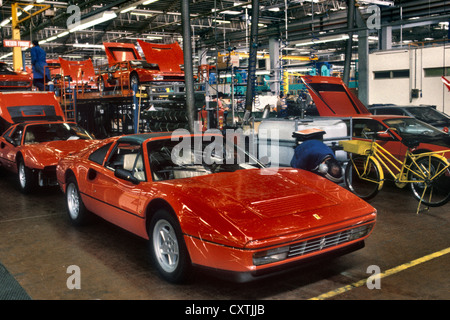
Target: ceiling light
(94, 20)
(148, 2)
(65, 33)
(128, 9)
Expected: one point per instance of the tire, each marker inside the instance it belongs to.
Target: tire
(26, 177)
(101, 85)
(436, 192)
(167, 248)
(77, 212)
(364, 187)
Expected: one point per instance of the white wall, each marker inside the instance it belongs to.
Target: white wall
(397, 90)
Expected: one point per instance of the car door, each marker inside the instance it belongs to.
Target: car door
(362, 129)
(9, 144)
(116, 200)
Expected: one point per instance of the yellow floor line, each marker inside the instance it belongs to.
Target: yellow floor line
(389, 272)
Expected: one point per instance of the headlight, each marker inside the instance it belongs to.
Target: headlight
(158, 78)
(269, 256)
(360, 232)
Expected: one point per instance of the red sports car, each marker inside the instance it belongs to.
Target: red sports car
(203, 204)
(37, 137)
(11, 80)
(126, 68)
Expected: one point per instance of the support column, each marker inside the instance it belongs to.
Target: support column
(274, 52)
(188, 68)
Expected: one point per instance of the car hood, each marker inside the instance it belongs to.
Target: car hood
(332, 97)
(168, 57)
(266, 203)
(49, 153)
(117, 52)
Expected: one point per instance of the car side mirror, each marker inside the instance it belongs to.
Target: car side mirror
(126, 175)
(382, 135)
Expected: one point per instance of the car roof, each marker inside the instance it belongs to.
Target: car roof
(141, 137)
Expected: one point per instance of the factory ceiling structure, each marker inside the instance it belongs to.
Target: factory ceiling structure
(303, 27)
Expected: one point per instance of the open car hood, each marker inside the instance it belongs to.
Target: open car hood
(77, 70)
(333, 98)
(18, 107)
(168, 57)
(117, 52)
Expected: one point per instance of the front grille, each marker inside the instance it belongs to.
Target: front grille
(331, 240)
(15, 83)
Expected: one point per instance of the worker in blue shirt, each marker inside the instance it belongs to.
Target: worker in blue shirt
(315, 156)
(39, 61)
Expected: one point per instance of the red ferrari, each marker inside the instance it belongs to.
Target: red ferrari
(37, 137)
(202, 204)
(127, 68)
(11, 80)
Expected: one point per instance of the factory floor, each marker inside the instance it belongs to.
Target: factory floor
(39, 247)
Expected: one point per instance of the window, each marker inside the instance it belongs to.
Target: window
(99, 155)
(437, 72)
(17, 134)
(361, 128)
(127, 156)
(391, 74)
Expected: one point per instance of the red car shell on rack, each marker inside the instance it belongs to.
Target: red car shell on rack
(126, 67)
(36, 137)
(11, 80)
(237, 219)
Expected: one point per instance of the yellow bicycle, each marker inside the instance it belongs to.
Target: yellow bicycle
(427, 173)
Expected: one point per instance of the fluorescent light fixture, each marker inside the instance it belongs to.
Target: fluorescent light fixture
(94, 20)
(6, 55)
(52, 38)
(148, 2)
(87, 45)
(128, 9)
(65, 33)
(28, 7)
(230, 12)
(5, 22)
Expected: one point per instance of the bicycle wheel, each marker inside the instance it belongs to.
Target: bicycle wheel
(363, 183)
(432, 189)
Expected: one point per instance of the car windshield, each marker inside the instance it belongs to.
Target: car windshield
(428, 114)
(6, 69)
(144, 65)
(55, 131)
(407, 127)
(181, 159)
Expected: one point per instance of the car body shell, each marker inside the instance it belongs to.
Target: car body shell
(162, 69)
(22, 111)
(225, 217)
(11, 80)
(42, 156)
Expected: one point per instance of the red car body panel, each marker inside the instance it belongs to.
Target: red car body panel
(13, 80)
(336, 100)
(28, 106)
(225, 217)
(118, 52)
(169, 57)
(80, 73)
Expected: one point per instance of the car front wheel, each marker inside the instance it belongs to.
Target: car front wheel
(77, 212)
(167, 248)
(27, 178)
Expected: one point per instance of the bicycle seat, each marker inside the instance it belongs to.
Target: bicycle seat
(411, 143)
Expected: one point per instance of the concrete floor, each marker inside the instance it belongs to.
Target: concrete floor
(37, 245)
